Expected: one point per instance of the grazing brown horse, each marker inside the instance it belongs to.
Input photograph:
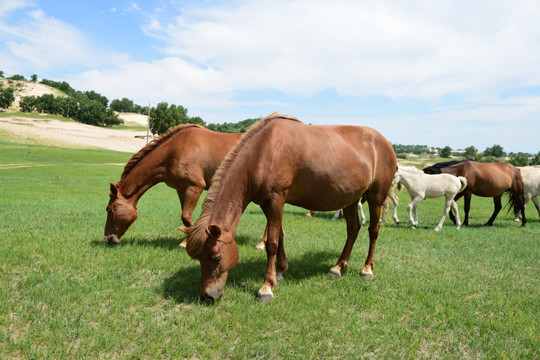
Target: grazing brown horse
(486, 180)
(281, 160)
(185, 158)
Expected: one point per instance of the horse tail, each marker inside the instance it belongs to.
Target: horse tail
(463, 181)
(516, 198)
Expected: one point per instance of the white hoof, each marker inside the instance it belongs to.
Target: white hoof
(259, 247)
(437, 228)
(265, 297)
(333, 273)
(279, 278)
(368, 276)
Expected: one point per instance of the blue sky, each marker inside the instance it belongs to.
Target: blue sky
(436, 73)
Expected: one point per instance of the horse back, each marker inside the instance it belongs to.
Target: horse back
(328, 167)
(195, 154)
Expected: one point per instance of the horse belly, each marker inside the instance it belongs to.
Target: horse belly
(325, 192)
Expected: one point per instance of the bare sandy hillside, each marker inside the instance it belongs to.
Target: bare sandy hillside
(28, 88)
(67, 133)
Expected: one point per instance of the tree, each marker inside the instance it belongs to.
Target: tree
(93, 112)
(124, 105)
(446, 152)
(7, 97)
(28, 103)
(495, 151)
(470, 152)
(34, 78)
(520, 159)
(536, 159)
(163, 117)
(1, 73)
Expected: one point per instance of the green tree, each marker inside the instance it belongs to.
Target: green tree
(92, 95)
(1, 73)
(17, 77)
(470, 152)
(494, 151)
(519, 159)
(67, 107)
(7, 97)
(536, 159)
(124, 105)
(27, 104)
(164, 117)
(446, 152)
(33, 78)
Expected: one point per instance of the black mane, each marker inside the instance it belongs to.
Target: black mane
(436, 169)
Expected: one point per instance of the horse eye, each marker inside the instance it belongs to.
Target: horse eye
(216, 259)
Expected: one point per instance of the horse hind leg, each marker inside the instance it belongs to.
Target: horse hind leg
(353, 227)
(536, 204)
(497, 208)
(447, 206)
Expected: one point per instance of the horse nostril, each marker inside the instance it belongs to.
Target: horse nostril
(207, 299)
(112, 239)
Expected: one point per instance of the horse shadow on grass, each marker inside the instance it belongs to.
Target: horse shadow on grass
(166, 242)
(247, 276)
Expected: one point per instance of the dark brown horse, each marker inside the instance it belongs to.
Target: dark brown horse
(486, 180)
(281, 160)
(185, 158)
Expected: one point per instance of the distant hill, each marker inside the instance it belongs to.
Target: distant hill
(28, 88)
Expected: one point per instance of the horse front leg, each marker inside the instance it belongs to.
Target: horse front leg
(353, 227)
(413, 205)
(189, 198)
(274, 246)
(497, 208)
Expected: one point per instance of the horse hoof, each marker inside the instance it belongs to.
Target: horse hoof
(437, 229)
(279, 278)
(265, 297)
(333, 273)
(367, 276)
(259, 248)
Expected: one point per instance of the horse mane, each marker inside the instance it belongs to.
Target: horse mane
(197, 234)
(439, 166)
(137, 158)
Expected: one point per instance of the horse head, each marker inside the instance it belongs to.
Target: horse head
(217, 252)
(120, 215)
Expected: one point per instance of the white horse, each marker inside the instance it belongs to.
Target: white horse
(421, 186)
(531, 185)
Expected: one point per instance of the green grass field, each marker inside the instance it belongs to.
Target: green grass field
(65, 294)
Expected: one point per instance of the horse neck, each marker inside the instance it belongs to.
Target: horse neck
(233, 196)
(147, 173)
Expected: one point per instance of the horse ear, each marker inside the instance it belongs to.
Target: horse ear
(114, 189)
(214, 231)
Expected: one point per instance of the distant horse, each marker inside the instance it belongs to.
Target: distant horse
(281, 160)
(486, 180)
(422, 186)
(185, 158)
(531, 185)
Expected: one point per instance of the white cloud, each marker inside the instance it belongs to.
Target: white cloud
(360, 48)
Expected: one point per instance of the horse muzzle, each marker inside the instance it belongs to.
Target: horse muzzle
(212, 294)
(112, 239)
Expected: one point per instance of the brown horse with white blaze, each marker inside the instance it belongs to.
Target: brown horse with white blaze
(486, 180)
(281, 160)
(185, 158)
